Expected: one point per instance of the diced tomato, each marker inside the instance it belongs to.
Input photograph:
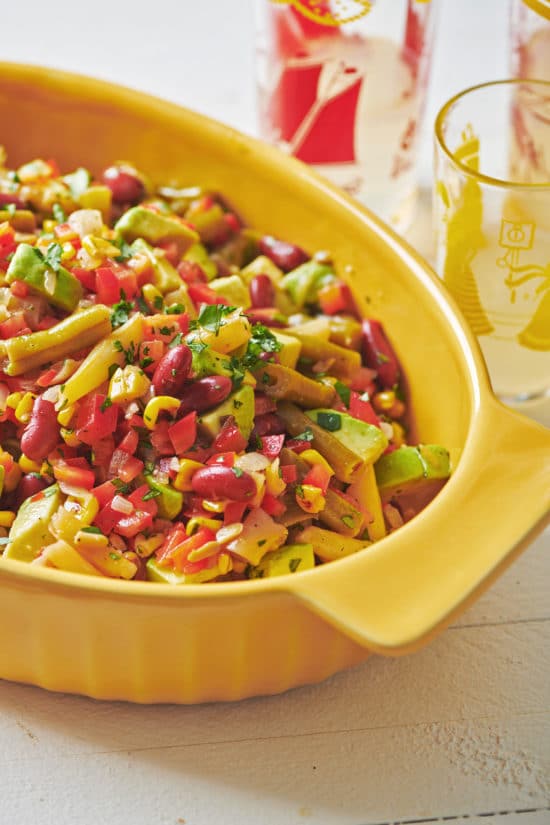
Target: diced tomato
(130, 441)
(87, 277)
(113, 281)
(14, 325)
(171, 251)
(273, 506)
(95, 420)
(64, 232)
(150, 353)
(333, 297)
(378, 353)
(363, 410)
(19, 288)
(135, 523)
(230, 438)
(363, 380)
(225, 459)
(161, 440)
(7, 240)
(75, 476)
(46, 322)
(289, 473)
(105, 493)
(107, 518)
(203, 294)
(174, 536)
(318, 476)
(178, 556)
(125, 466)
(298, 445)
(141, 500)
(192, 273)
(272, 445)
(232, 221)
(234, 512)
(183, 433)
(102, 452)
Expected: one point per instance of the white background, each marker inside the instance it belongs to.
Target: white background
(460, 729)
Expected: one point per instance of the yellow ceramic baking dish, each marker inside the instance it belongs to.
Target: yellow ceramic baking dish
(153, 643)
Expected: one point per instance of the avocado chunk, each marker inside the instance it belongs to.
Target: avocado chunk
(198, 254)
(166, 575)
(232, 290)
(29, 265)
(30, 531)
(139, 222)
(240, 405)
(169, 501)
(365, 440)
(410, 469)
(293, 558)
(304, 282)
(165, 276)
(207, 362)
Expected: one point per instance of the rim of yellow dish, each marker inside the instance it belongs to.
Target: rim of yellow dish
(439, 129)
(541, 7)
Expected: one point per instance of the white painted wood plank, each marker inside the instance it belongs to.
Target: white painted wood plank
(468, 674)
(349, 778)
(522, 592)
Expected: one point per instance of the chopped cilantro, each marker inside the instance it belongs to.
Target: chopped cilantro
(166, 330)
(151, 494)
(261, 341)
(349, 521)
(237, 403)
(92, 529)
(121, 487)
(142, 306)
(238, 472)
(261, 542)
(10, 208)
(129, 354)
(307, 435)
(197, 346)
(52, 258)
(299, 490)
(121, 311)
(158, 303)
(146, 362)
(344, 392)
(112, 369)
(58, 213)
(293, 564)
(106, 404)
(115, 556)
(175, 309)
(329, 421)
(381, 358)
(176, 340)
(212, 316)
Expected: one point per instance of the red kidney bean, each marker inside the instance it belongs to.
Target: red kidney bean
(42, 432)
(29, 486)
(378, 353)
(6, 199)
(269, 424)
(124, 184)
(216, 482)
(172, 371)
(205, 393)
(262, 293)
(285, 255)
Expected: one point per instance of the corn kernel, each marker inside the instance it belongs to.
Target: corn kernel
(200, 521)
(127, 384)
(69, 252)
(13, 399)
(383, 401)
(139, 263)
(65, 415)
(99, 248)
(6, 518)
(398, 434)
(48, 225)
(27, 465)
(206, 550)
(225, 563)
(188, 467)
(161, 403)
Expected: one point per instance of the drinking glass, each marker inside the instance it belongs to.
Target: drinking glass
(492, 221)
(530, 39)
(341, 85)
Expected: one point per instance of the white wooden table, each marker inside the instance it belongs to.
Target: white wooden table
(458, 732)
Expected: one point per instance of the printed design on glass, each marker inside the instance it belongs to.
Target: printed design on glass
(330, 12)
(465, 238)
(529, 281)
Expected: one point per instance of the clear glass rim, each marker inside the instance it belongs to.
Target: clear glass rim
(439, 126)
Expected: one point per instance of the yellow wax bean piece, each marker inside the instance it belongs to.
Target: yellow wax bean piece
(66, 414)
(157, 405)
(94, 370)
(27, 465)
(200, 521)
(26, 352)
(24, 408)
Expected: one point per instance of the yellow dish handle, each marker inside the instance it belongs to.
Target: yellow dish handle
(393, 597)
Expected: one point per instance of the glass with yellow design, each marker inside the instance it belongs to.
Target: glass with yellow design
(492, 222)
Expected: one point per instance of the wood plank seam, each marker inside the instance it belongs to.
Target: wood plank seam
(484, 814)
